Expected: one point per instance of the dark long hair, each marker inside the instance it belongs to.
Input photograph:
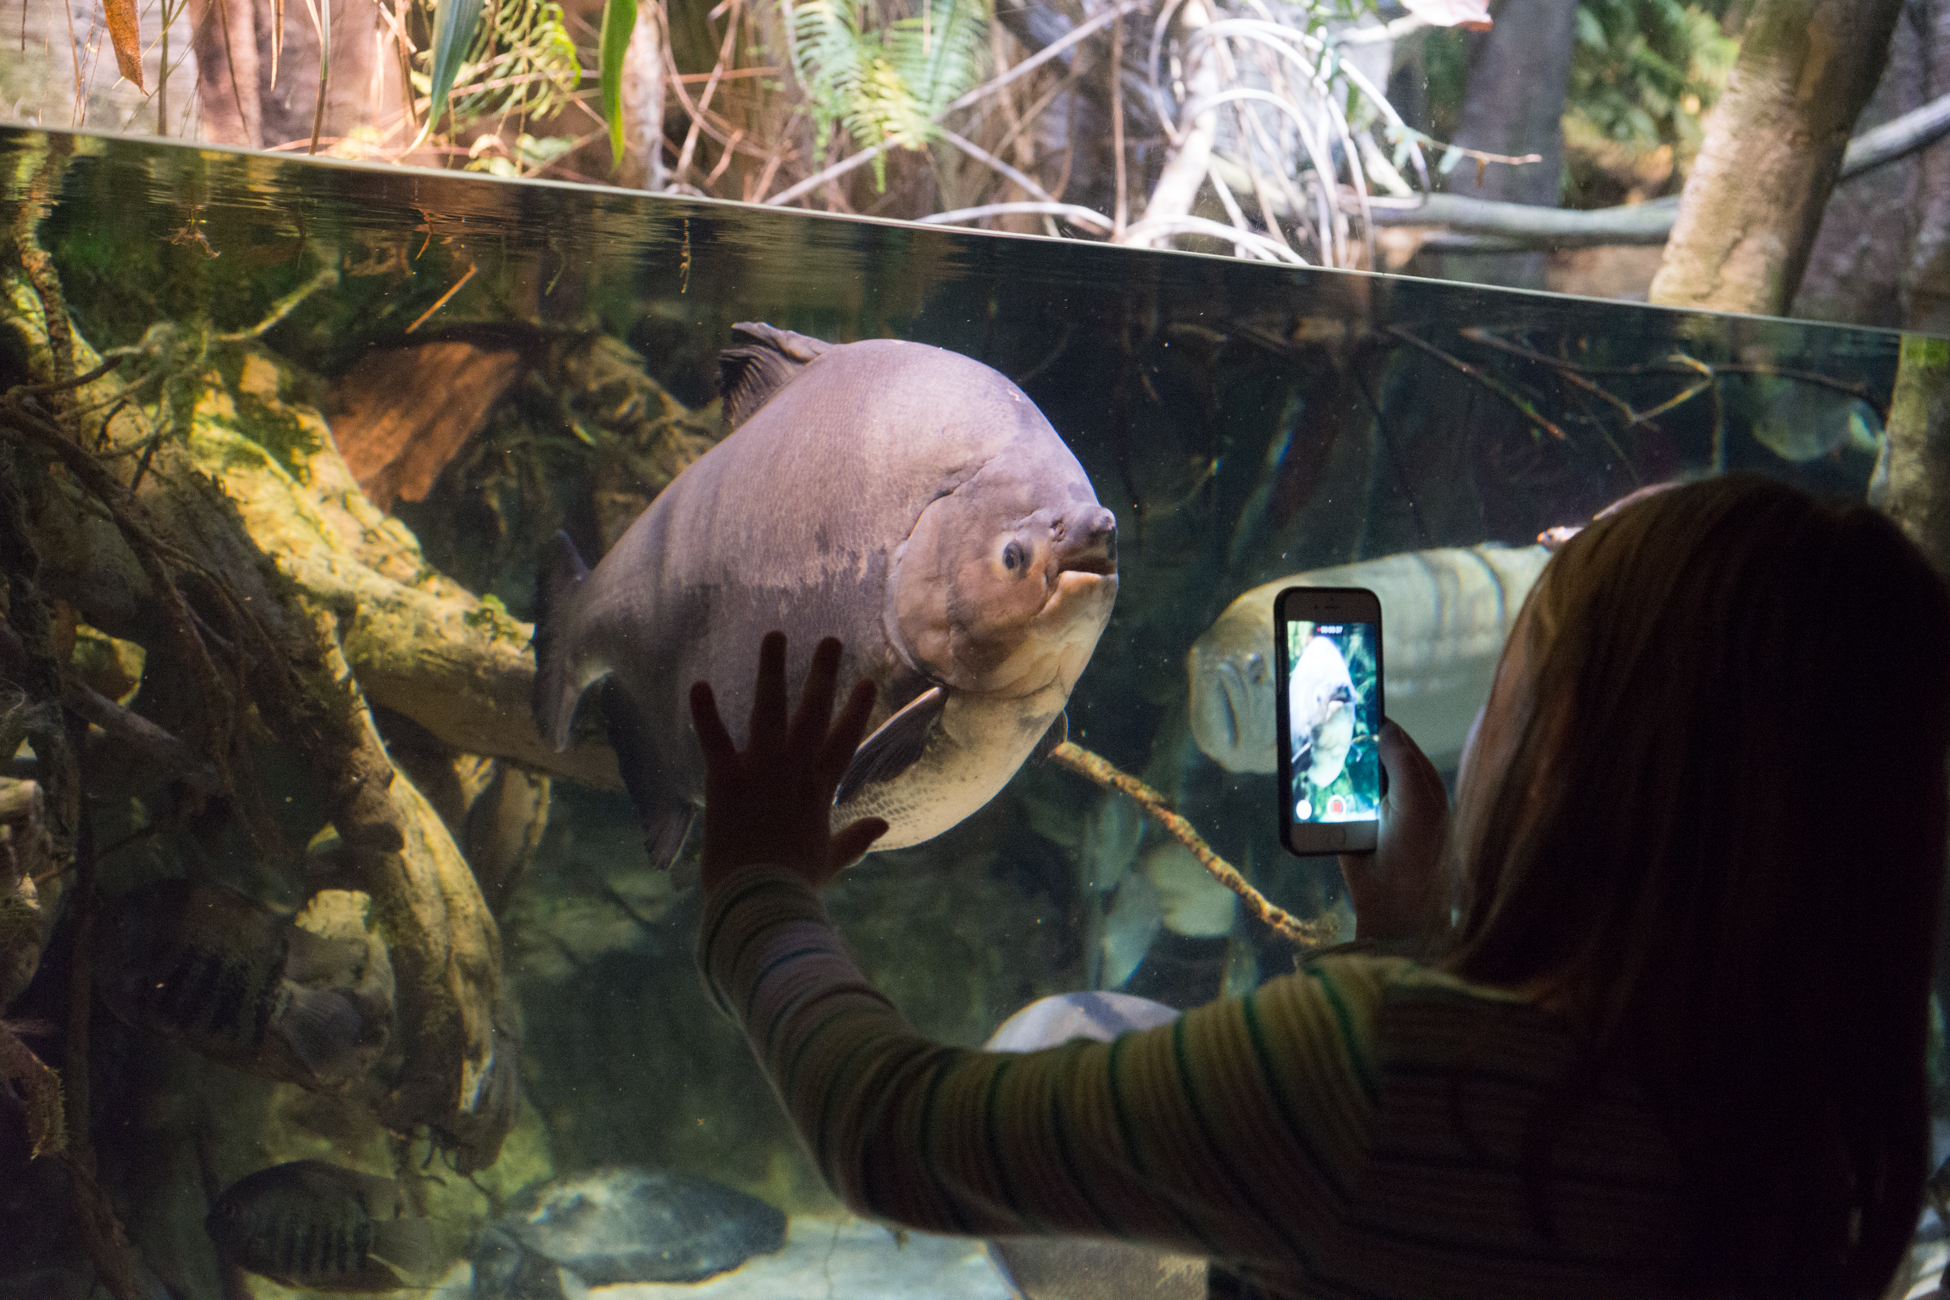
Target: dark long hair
(1717, 846)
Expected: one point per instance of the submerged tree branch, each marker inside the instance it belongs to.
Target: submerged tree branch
(1085, 763)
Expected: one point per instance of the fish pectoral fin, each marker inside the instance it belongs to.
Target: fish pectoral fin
(896, 746)
(321, 1028)
(1059, 731)
(664, 832)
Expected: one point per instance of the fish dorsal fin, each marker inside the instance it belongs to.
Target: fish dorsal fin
(896, 746)
(760, 361)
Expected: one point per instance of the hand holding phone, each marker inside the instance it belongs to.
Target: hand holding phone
(1400, 890)
(1327, 643)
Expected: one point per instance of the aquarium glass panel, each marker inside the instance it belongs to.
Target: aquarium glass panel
(353, 889)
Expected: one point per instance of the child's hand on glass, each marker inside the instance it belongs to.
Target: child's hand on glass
(772, 802)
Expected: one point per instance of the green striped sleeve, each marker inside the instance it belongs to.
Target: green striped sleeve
(1235, 1132)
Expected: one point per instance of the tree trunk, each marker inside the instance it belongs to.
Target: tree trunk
(1074, 136)
(1754, 201)
(1515, 107)
(226, 71)
(1912, 479)
(1875, 230)
(643, 101)
(1928, 305)
(244, 104)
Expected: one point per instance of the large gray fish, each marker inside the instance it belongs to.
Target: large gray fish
(910, 501)
(1321, 703)
(1444, 616)
(321, 1227)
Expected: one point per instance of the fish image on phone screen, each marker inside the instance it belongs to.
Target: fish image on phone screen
(1333, 709)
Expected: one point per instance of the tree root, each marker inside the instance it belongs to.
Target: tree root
(459, 1073)
(262, 644)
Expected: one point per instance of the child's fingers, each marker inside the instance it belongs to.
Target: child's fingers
(712, 737)
(815, 715)
(768, 722)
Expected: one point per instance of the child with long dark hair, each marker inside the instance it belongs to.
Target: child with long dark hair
(1666, 1034)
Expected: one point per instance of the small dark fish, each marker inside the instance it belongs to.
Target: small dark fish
(633, 1225)
(222, 973)
(317, 1225)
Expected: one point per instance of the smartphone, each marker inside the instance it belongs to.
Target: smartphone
(1327, 642)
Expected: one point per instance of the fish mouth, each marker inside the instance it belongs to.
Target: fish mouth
(1233, 686)
(1229, 727)
(1086, 542)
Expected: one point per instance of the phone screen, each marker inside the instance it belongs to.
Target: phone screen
(1333, 716)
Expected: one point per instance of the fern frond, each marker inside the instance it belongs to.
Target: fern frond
(829, 52)
(524, 47)
(940, 52)
(886, 83)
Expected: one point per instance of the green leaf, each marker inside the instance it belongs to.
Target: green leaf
(1591, 31)
(619, 22)
(454, 22)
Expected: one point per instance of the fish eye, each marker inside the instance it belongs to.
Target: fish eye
(1013, 557)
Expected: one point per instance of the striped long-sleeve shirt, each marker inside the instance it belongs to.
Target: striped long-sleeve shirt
(1361, 1128)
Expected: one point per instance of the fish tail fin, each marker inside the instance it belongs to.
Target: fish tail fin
(412, 1248)
(322, 1029)
(555, 692)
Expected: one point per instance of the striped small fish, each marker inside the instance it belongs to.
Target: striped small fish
(318, 1225)
(219, 972)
